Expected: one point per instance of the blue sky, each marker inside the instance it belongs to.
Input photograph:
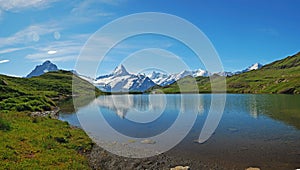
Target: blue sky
(242, 31)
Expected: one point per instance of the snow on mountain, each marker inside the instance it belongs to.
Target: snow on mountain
(255, 66)
(120, 71)
(122, 81)
(158, 78)
(41, 69)
(226, 73)
(201, 72)
(165, 79)
(86, 78)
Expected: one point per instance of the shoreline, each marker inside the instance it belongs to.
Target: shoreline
(99, 158)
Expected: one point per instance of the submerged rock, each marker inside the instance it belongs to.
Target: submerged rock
(181, 168)
(252, 168)
(148, 141)
(233, 129)
(199, 141)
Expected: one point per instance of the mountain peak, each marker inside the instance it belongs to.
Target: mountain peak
(254, 66)
(47, 62)
(41, 69)
(120, 71)
(122, 81)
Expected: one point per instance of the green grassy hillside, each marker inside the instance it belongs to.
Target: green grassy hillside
(39, 93)
(282, 76)
(29, 142)
(41, 143)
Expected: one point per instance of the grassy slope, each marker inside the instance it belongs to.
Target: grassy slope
(38, 93)
(39, 143)
(282, 76)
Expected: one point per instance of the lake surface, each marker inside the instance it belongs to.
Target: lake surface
(255, 130)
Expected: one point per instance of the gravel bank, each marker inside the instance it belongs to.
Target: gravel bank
(101, 159)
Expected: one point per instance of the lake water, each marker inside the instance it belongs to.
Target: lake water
(255, 130)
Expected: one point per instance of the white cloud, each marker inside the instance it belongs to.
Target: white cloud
(57, 51)
(30, 34)
(51, 52)
(4, 61)
(17, 5)
(58, 59)
(9, 50)
(85, 11)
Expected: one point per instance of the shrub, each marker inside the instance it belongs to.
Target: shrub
(23, 107)
(35, 120)
(46, 107)
(60, 140)
(4, 126)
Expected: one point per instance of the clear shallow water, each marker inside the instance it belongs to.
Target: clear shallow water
(255, 130)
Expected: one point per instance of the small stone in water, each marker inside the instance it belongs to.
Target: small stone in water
(148, 141)
(181, 168)
(252, 168)
(199, 141)
(233, 129)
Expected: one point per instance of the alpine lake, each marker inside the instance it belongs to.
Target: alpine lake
(258, 130)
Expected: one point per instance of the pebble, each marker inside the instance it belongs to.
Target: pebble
(181, 168)
(148, 141)
(199, 141)
(252, 168)
(233, 129)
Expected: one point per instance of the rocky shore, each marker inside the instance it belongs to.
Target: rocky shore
(52, 114)
(101, 159)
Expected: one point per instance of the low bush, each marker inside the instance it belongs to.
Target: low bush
(4, 126)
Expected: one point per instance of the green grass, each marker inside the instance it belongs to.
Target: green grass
(41, 143)
(39, 93)
(282, 76)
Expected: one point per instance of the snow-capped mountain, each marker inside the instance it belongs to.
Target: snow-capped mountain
(200, 72)
(165, 79)
(255, 66)
(226, 73)
(122, 81)
(41, 69)
(158, 78)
